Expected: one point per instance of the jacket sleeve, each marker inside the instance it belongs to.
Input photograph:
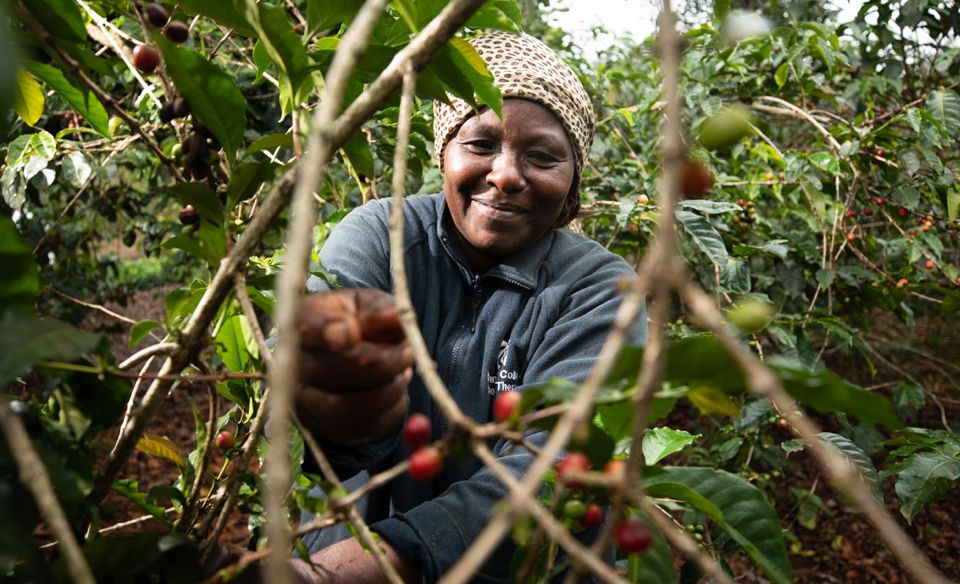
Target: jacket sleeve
(438, 532)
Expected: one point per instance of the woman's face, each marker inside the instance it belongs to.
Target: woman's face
(506, 181)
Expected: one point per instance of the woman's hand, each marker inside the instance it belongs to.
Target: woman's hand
(355, 365)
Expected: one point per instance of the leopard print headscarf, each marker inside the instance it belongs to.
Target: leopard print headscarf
(523, 66)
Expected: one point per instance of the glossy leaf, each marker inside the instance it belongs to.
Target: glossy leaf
(704, 236)
(235, 343)
(324, 14)
(61, 17)
(139, 331)
(275, 31)
(84, 101)
(50, 340)
(926, 478)
(659, 443)
(734, 505)
(944, 104)
(213, 95)
(28, 100)
(221, 11)
(203, 199)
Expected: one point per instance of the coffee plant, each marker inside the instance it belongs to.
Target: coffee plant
(791, 180)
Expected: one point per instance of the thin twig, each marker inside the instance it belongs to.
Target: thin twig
(283, 376)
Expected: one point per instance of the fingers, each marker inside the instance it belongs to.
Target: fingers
(339, 319)
(354, 417)
(364, 366)
(329, 322)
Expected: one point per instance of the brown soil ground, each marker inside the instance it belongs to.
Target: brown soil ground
(843, 547)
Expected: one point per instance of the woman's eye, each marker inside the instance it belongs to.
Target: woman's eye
(479, 145)
(542, 158)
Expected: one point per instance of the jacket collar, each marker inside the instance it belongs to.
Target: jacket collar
(519, 269)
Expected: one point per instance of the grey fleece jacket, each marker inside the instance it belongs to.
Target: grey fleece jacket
(543, 313)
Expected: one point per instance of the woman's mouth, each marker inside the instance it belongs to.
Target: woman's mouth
(498, 210)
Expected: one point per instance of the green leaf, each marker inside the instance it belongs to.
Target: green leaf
(274, 30)
(709, 207)
(659, 443)
(498, 14)
(927, 477)
(75, 168)
(325, 14)
(61, 17)
(50, 340)
(247, 179)
(734, 505)
(269, 142)
(826, 162)
(130, 489)
(357, 151)
(84, 101)
(471, 64)
(702, 360)
(20, 278)
(213, 95)
(704, 236)
(139, 331)
(221, 11)
(28, 100)
(953, 204)
(857, 458)
(944, 104)
(781, 74)
(235, 343)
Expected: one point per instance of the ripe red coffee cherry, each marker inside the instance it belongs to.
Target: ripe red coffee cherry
(902, 283)
(880, 200)
(852, 236)
(592, 517)
(506, 404)
(880, 152)
(177, 31)
(929, 264)
(851, 214)
(903, 211)
(425, 463)
(633, 535)
(156, 15)
(146, 58)
(417, 431)
(868, 212)
(225, 440)
(695, 179)
(573, 462)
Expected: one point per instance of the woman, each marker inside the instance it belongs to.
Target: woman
(504, 296)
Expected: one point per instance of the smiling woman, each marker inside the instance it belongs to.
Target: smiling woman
(506, 299)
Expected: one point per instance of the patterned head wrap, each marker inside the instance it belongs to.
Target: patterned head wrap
(523, 66)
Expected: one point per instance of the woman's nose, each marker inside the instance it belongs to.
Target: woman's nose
(506, 172)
